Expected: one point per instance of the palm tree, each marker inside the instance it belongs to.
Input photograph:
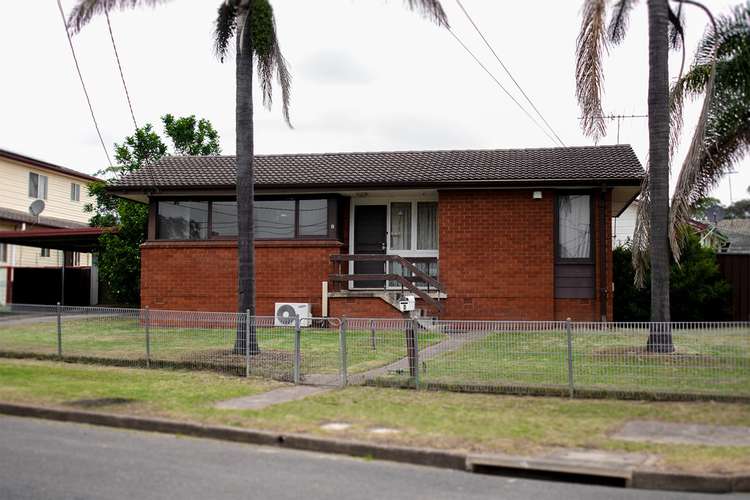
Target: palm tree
(253, 25)
(726, 51)
(592, 42)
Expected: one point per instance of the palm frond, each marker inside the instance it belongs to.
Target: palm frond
(226, 25)
(268, 54)
(431, 9)
(642, 235)
(590, 46)
(676, 28)
(85, 10)
(618, 23)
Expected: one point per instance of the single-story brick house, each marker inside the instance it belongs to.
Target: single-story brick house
(480, 234)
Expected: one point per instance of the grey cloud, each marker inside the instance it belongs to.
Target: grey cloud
(334, 66)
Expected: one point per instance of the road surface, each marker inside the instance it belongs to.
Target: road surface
(44, 459)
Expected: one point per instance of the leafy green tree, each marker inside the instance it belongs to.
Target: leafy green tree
(701, 207)
(698, 290)
(119, 254)
(253, 26)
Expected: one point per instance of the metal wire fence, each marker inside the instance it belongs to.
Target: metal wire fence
(675, 360)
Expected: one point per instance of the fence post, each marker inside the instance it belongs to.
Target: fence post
(59, 330)
(372, 334)
(247, 343)
(412, 350)
(297, 349)
(569, 333)
(342, 351)
(147, 321)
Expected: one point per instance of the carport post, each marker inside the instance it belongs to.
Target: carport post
(59, 330)
(342, 351)
(147, 324)
(297, 349)
(569, 334)
(247, 343)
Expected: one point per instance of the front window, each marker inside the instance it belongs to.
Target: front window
(400, 226)
(182, 220)
(37, 186)
(427, 225)
(273, 219)
(574, 227)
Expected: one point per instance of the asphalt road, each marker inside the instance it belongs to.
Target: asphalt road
(42, 459)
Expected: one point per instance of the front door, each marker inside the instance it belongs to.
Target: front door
(370, 222)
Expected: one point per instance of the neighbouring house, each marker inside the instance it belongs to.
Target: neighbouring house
(623, 226)
(27, 265)
(481, 234)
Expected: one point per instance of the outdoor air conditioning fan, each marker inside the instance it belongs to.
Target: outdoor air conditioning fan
(287, 311)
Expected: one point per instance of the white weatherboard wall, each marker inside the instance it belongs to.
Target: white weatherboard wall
(623, 226)
(14, 194)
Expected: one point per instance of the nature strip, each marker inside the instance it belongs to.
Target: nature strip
(638, 478)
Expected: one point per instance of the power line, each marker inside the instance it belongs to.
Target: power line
(119, 66)
(507, 71)
(476, 59)
(80, 77)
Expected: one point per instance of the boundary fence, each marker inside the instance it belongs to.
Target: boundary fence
(576, 359)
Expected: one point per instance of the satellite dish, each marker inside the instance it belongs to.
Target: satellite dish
(36, 207)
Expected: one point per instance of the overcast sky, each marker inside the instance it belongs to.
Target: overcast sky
(368, 75)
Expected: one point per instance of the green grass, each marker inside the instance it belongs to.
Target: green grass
(715, 362)
(120, 338)
(455, 421)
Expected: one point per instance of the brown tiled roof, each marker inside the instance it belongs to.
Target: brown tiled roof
(4, 153)
(589, 164)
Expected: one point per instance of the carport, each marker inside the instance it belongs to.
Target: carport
(49, 285)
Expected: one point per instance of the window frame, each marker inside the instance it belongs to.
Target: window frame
(332, 217)
(39, 183)
(45, 252)
(574, 260)
(75, 191)
(4, 252)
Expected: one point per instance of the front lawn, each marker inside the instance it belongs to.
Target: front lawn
(705, 361)
(471, 422)
(121, 338)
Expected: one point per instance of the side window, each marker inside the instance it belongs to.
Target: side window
(3, 252)
(44, 252)
(75, 192)
(574, 227)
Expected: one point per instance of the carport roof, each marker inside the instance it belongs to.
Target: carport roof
(85, 239)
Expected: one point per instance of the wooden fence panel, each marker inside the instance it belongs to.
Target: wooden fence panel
(736, 270)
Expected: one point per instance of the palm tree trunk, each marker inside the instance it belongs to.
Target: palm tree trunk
(245, 187)
(660, 337)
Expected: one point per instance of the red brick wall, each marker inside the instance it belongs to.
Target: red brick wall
(202, 276)
(361, 307)
(496, 262)
(497, 257)
(496, 254)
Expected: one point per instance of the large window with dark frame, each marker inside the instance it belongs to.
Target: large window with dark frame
(574, 227)
(273, 219)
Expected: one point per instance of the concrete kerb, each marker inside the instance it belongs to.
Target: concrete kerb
(637, 478)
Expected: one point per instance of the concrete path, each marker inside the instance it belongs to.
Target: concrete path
(42, 459)
(452, 343)
(663, 432)
(318, 383)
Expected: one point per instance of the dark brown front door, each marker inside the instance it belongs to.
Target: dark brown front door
(370, 238)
